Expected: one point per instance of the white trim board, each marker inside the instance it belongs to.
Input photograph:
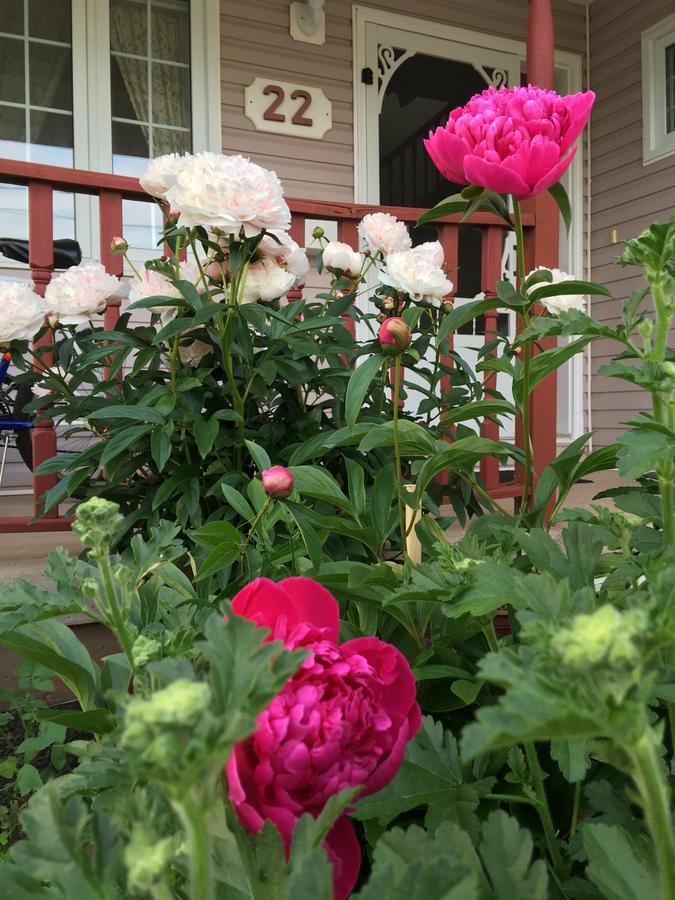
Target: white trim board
(566, 61)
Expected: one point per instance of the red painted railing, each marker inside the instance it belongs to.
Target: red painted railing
(541, 229)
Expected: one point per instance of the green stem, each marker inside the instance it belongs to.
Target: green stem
(510, 798)
(543, 808)
(649, 778)
(491, 636)
(195, 818)
(525, 399)
(173, 359)
(397, 455)
(116, 620)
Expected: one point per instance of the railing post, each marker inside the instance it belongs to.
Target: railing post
(348, 233)
(491, 272)
(542, 241)
(41, 262)
(110, 226)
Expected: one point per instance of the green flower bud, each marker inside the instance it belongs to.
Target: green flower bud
(318, 232)
(645, 327)
(97, 520)
(145, 649)
(180, 705)
(146, 857)
(605, 635)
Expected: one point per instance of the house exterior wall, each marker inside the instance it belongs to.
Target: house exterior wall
(256, 42)
(625, 194)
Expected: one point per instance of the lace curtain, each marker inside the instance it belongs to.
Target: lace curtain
(128, 34)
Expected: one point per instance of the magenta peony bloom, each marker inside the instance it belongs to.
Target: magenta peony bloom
(277, 482)
(343, 720)
(512, 140)
(394, 334)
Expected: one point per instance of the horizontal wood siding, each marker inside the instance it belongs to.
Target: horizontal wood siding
(626, 195)
(256, 42)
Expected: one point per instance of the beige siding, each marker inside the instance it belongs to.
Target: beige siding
(626, 195)
(256, 41)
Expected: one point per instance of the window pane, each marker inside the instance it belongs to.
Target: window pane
(130, 148)
(171, 30)
(12, 126)
(129, 26)
(12, 16)
(670, 88)
(51, 76)
(12, 70)
(50, 19)
(129, 88)
(170, 95)
(166, 140)
(52, 130)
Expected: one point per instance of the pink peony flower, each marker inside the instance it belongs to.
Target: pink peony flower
(277, 482)
(80, 292)
(229, 193)
(343, 720)
(22, 312)
(418, 272)
(342, 258)
(513, 140)
(382, 232)
(394, 334)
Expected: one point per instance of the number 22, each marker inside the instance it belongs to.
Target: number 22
(299, 117)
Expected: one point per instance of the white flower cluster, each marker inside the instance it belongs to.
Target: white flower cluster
(418, 272)
(563, 302)
(22, 312)
(80, 292)
(232, 196)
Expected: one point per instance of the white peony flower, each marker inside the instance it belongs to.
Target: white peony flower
(342, 257)
(155, 284)
(229, 193)
(161, 173)
(266, 280)
(384, 233)
(417, 272)
(287, 253)
(80, 292)
(563, 303)
(22, 312)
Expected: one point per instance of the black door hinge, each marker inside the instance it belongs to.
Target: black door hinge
(366, 76)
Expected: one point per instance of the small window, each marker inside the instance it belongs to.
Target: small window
(658, 90)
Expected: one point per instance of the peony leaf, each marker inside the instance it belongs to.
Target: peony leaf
(559, 194)
(359, 383)
(620, 864)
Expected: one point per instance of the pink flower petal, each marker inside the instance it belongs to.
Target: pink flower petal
(579, 107)
(344, 853)
(447, 152)
(553, 176)
(493, 176)
(312, 603)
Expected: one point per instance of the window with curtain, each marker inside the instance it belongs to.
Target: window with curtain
(36, 102)
(150, 96)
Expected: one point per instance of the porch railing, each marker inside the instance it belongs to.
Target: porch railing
(541, 245)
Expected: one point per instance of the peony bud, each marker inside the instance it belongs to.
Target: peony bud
(52, 320)
(318, 232)
(388, 304)
(447, 306)
(277, 482)
(118, 245)
(394, 334)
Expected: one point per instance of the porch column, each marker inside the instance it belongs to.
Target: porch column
(540, 44)
(543, 246)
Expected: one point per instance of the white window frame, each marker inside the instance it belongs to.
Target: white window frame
(657, 142)
(92, 134)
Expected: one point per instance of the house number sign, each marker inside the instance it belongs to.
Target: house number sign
(283, 108)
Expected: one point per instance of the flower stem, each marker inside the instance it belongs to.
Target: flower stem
(195, 819)
(116, 620)
(525, 393)
(397, 455)
(575, 809)
(654, 794)
(542, 807)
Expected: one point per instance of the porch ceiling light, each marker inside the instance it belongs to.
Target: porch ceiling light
(308, 21)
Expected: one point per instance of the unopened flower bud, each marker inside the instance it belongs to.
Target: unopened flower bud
(448, 306)
(394, 334)
(318, 232)
(388, 304)
(52, 320)
(645, 328)
(118, 245)
(277, 482)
